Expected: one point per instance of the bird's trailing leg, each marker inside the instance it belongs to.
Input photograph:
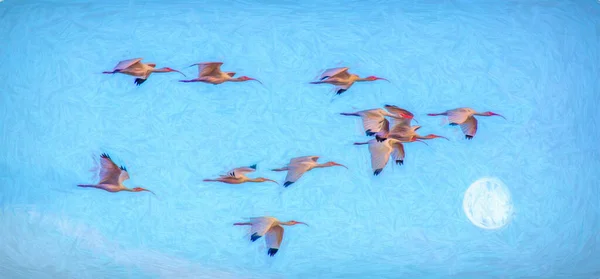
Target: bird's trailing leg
(360, 143)
(281, 169)
(242, 224)
(111, 72)
(350, 113)
(87, 185)
(139, 81)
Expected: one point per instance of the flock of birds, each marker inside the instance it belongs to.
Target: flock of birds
(388, 139)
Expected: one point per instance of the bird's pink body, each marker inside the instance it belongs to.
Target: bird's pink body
(210, 72)
(135, 67)
(271, 228)
(342, 79)
(465, 118)
(112, 177)
(300, 165)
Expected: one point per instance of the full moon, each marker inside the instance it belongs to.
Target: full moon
(487, 203)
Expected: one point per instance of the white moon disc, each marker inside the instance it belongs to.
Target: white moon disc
(487, 203)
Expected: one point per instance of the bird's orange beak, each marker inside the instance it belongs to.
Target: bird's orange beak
(140, 189)
(436, 136)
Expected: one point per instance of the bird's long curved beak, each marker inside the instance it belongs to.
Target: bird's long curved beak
(341, 165)
(180, 73)
(273, 181)
(385, 79)
(422, 141)
(256, 80)
(303, 223)
(500, 116)
(441, 137)
(149, 191)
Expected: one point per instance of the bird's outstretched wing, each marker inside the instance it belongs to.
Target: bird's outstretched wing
(398, 153)
(273, 239)
(373, 121)
(109, 171)
(380, 154)
(341, 72)
(239, 172)
(399, 112)
(295, 171)
(469, 127)
(206, 69)
(127, 63)
(260, 226)
(304, 159)
(124, 174)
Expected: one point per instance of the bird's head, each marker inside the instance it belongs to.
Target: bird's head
(489, 113)
(432, 136)
(263, 179)
(245, 78)
(140, 189)
(331, 164)
(372, 78)
(167, 69)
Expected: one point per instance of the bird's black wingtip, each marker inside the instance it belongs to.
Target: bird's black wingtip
(369, 133)
(272, 252)
(380, 139)
(123, 168)
(453, 124)
(254, 237)
(104, 155)
(339, 92)
(469, 137)
(400, 162)
(139, 81)
(377, 171)
(253, 166)
(287, 183)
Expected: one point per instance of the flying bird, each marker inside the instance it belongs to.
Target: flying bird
(300, 165)
(238, 176)
(401, 128)
(112, 177)
(269, 227)
(210, 72)
(373, 119)
(465, 118)
(382, 150)
(135, 67)
(342, 79)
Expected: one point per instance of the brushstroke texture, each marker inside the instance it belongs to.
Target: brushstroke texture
(535, 62)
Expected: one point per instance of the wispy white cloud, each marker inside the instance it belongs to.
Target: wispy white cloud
(52, 246)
